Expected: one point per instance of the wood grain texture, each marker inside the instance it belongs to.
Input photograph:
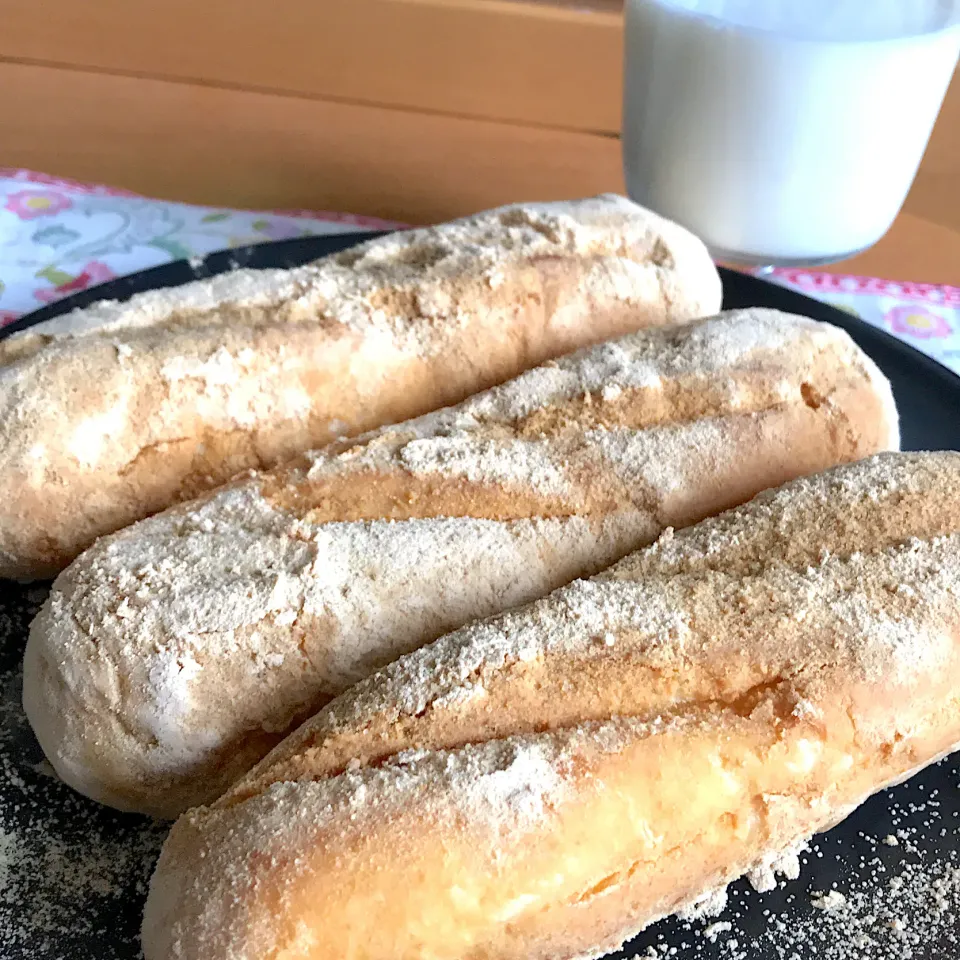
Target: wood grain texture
(497, 59)
(413, 109)
(915, 249)
(247, 149)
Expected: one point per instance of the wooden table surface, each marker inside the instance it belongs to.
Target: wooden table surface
(915, 249)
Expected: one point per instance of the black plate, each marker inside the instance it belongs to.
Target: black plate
(72, 873)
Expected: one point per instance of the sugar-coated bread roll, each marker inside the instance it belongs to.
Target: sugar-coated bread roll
(113, 412)
(170, 657)
(546, 783)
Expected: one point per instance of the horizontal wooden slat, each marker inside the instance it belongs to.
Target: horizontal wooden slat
(497, 59)
(217, 146)
(916, 249)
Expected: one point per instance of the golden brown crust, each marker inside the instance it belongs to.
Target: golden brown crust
(172, 656)
(545, 783)
(114, 412)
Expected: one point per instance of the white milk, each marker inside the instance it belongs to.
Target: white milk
(783, 131)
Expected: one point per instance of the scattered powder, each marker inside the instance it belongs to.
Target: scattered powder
(8, 857)
(763, 876)
(711, 904)
(73, 874)
(715, 929)
(913, 914)
(828, 901)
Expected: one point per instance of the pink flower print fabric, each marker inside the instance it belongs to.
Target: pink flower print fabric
(92, 273)
(924, 315)
(59, 236)
(917, 321)
(30, 204)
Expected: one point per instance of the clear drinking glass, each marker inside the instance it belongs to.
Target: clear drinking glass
(783, 131)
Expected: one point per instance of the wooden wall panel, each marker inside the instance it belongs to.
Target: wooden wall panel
(497, 59)
(217, 146)
(414, 109)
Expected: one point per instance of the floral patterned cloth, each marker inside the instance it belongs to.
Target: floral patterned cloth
(58, 236)
(923, 315)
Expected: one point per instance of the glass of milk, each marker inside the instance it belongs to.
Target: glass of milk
(783, 131)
